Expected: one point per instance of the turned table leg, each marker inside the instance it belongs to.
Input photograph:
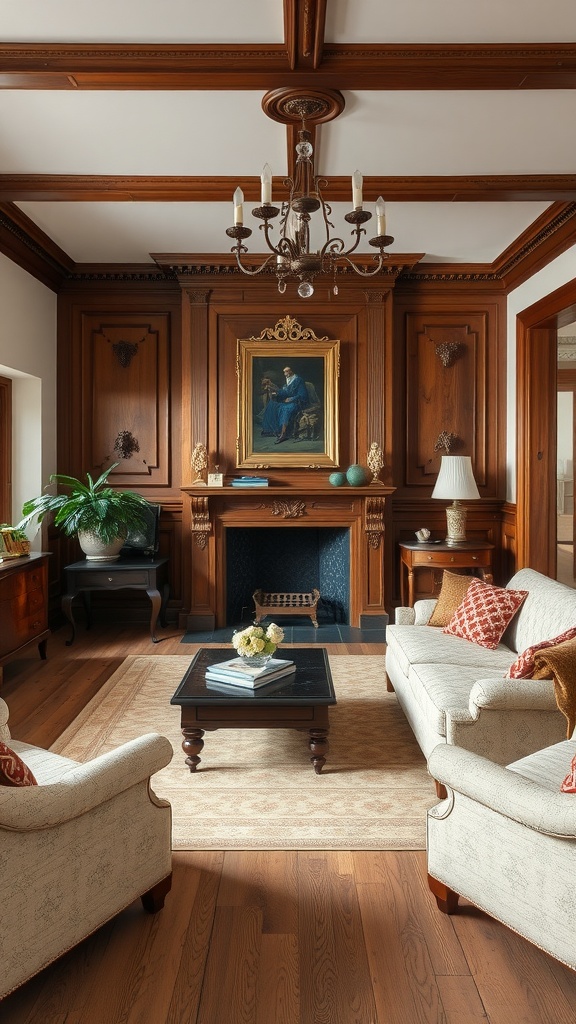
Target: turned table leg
(318, 745)
(192, 744)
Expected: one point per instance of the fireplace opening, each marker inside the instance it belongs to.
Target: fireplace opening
(288, 559)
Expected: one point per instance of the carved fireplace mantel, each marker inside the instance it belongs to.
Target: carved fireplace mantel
(213, 510)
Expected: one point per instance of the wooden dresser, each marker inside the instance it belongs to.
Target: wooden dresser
(23, 605)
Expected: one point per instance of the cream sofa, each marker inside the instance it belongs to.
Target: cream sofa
(505, 839)
(77, 848)
(453, 691)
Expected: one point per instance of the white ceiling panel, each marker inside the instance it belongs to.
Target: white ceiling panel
(129, 232)
(141, 21)
(137, 133)
(450, 21)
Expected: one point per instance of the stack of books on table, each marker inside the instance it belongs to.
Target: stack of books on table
(236, 673)
(249, 481)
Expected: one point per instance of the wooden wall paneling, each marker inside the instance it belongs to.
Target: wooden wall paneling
(198, 391)
(126, 397)
(508, 542)
(446, 397)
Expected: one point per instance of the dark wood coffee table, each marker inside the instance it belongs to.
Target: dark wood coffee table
(298, 701)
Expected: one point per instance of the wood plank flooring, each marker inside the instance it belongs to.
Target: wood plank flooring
(281, 937)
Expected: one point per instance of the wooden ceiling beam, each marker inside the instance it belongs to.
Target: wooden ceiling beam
(304, 60)
(415, 188)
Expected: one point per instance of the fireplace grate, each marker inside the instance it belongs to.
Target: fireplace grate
(286, 604)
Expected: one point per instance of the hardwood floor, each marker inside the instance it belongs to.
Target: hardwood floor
(280, 937)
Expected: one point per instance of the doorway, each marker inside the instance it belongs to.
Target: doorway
(537, 405)
(565, 447)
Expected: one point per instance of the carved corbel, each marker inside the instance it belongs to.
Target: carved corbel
(374, 521)
(201, 525)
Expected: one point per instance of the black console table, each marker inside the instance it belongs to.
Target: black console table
(136, 573)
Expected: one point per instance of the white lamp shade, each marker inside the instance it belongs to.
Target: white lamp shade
(456, 479)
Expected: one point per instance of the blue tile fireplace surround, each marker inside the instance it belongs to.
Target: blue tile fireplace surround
(277, 559)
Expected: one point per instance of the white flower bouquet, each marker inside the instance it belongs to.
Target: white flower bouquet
(256, 642)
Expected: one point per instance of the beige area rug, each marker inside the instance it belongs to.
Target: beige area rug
(256, 788)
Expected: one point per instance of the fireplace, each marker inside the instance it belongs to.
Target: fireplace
(287, 539)
(277, 558)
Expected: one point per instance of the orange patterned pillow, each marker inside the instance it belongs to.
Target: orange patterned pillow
(485, 613)
(452, 592)
(523, 667)
(13, 771)
(568, 785)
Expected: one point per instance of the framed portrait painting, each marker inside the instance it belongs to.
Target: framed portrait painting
(287, 403)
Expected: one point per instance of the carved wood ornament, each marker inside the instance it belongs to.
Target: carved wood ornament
(288, 329)
(374, 521)
(200, 521)
(289, 509)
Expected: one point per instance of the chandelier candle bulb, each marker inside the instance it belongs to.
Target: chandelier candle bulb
(357, 181)
(266, 179)
(381, 216)
(238, 207)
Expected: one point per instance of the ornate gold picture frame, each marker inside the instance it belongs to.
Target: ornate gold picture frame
(287, 398)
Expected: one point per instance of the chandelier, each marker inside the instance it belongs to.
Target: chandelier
(292, 255)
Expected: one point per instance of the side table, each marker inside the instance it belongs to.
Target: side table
(149, 574)
(475, 555)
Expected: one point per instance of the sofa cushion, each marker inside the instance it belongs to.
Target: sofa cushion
(549, 609)
(485, 613)
(452, 593)
(13, 770)
(440, 692)
(413, 645)
(547, 767)
(47, 766)
(524, 665)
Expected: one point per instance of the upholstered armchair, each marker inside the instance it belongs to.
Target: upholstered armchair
(77, 848)
(505, 839)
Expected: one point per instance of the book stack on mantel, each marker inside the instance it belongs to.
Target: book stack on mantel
(236, 673)
(249, 481)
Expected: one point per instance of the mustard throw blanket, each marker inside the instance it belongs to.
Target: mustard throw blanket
(559, 663)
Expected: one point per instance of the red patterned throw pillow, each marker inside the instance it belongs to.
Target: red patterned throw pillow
(523, 667)
(13, 771)
(485, 613)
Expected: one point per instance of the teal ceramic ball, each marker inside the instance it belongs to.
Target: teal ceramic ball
(337, 479)
(356, 476)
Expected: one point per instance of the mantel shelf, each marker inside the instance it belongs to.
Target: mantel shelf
(287, 490)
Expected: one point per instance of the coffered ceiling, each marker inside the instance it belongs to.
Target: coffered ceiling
(125, 127)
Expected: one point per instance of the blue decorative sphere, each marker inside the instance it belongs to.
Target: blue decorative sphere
(337, 479)
(356, 476)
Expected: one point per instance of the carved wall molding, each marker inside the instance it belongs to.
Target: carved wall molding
(446, 441)
(125, 351)
(200, 524)
(448, 352)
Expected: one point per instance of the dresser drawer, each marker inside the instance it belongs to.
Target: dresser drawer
(106, 579)
(447, 559)
(16, 584)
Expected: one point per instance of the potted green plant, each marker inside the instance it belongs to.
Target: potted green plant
(98, 514)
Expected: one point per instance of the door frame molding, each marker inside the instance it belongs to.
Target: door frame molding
(536, 388)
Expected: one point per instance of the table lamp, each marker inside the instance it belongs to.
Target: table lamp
(456, 481)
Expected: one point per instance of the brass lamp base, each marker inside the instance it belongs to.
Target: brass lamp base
(456, 523)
